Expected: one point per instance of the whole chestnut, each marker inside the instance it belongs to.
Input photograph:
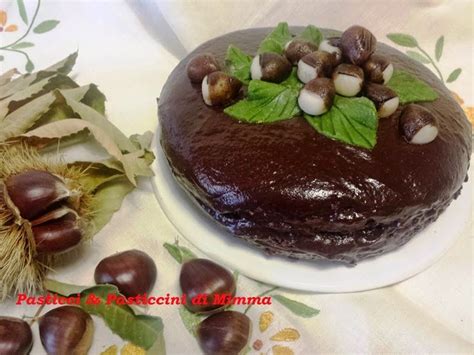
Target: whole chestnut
(202, 276)
(200, 66)
(224, 333)
(57, 235)
(132, 271)
(66, 330)
(15, 336)
(33, 192)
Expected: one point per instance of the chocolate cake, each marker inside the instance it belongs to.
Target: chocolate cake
(290, 190)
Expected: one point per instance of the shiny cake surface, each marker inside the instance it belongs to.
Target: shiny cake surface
(290, 190)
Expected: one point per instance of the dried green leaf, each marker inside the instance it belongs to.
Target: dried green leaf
(107, 200)
(190, 320)
(6, 77)
(22, 97)
(178, 252)
(89, 95)
(90, 115)
(71, 126)
(25, 117)
(21, 83)
(96, 174)
(142, 141)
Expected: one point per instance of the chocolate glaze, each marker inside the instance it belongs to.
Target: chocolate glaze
(291, 191)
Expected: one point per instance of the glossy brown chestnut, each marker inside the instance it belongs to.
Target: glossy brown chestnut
(66, 330)
(132, 271)
(15, 336)
(202, 276)
(57, 235)
(297, 49)
(200, 66)
(224, 333)
(357, 44)
(34, 191)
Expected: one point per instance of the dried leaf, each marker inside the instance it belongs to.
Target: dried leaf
(107, 200)
(190, 320)
(71, 126)
(281, 350)
(97, 174)
(22, 97)
(89, 95)
(21, 83)
(25, 117)
(286, 334)
(266, 318)
(6, 77)
(89, 114)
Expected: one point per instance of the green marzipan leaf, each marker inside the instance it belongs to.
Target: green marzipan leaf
(141, 330)
(23, 45)
(178, 252)
(238, 63)
(439, 48)
(298, 308)
(45, 26)
(350, 120)
(410, 89)
(403, 40)
(276, 40)
(454, 75)
(267, 102)
(418, 57)
(190, 320)
(22, 11)
(312, 34)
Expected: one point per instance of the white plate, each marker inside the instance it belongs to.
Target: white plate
(319, 276)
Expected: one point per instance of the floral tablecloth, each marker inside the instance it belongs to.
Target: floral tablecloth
(129, 47)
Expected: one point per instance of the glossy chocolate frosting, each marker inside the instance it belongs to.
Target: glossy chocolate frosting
(290, 190)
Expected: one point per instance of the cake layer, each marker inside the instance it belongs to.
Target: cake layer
(292, 191)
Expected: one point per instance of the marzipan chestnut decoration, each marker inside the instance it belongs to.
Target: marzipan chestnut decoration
(44, 211)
